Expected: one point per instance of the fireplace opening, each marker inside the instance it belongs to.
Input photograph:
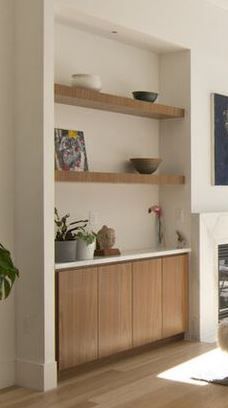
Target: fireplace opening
(223, 280)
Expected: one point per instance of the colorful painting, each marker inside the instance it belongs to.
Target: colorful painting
(220, 139)
(70, 150)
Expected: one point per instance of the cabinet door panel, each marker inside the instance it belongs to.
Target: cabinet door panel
(115, 308)
(77, 317)
(175, 294)
(147, 312)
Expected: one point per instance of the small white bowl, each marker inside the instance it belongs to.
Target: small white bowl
(87, 81)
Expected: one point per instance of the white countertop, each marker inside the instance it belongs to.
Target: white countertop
(125, 256)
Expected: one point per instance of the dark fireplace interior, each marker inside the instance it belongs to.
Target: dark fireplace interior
(223, 280)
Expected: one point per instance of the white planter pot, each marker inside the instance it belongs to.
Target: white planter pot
(84, 251)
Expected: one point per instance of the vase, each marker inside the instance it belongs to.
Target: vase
(84, 251)
(159, 232)
(65, 251)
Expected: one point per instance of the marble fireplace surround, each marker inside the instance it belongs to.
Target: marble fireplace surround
(212, 231)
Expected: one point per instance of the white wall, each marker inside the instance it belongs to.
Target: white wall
(7, 167)
(33, 99)
(201, 27)
(194, 24)
(111, 139)
(175, 149)
(209, 75)
(175, 143)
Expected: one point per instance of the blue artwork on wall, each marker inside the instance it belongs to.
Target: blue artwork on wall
(220, 113)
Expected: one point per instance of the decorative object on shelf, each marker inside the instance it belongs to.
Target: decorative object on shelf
(146, 165)
(157, 210)
(145, 96)
(220, 139)
(70, 150)
(87, 81)
(66, 237)
(8, 273)
(106, 239)
(86, 245)
(181, 241)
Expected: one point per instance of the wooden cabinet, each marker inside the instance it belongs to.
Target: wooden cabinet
(77, 317)
(175, 294)
(115, 308)
(147, 301)
(107, 309)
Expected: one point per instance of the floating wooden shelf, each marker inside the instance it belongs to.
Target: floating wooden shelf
(96, 100)
(96, 177)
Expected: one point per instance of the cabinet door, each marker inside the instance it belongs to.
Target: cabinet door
(115, 308)
(77, 312)
(147, 308)
(175, 294)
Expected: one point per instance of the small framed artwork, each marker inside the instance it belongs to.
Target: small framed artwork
(220, 139)
(70, 150)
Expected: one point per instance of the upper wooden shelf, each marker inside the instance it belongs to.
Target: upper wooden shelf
(96, 100)
(97, 177)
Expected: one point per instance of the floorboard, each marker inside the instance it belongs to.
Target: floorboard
(131, 382)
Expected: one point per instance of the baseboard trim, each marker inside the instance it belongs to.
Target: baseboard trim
(7, 374)
(37, 376)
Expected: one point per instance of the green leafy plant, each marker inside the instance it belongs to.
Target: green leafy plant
(8, 273)
(67, 231)
(88, 236)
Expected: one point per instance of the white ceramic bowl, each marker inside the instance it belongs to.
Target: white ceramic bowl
(87, 81)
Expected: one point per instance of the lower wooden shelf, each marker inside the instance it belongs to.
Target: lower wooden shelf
(98, 177)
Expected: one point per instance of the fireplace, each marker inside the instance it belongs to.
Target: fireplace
(223, 281)
(208, 291)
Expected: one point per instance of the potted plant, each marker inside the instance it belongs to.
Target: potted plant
(86, 244)
(8, 273)
(65, 239)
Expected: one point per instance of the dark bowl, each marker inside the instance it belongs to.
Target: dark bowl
(145, 96)
(145, 165)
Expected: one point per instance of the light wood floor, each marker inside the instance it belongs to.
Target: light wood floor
(129, 383)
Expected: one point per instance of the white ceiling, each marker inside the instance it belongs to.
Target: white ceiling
(66, 13)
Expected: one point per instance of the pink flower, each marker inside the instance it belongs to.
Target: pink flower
(156, 209)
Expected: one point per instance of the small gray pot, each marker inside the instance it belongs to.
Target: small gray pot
(65, 251)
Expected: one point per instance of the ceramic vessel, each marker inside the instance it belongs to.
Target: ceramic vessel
(145, 96)
(84, 251)
(65, 251)
(145, 165)
(87, 81)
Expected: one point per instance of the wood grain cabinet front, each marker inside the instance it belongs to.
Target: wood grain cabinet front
(108, 309)
(174, 295)
(115, 308)
(77, 317)
(147, 301)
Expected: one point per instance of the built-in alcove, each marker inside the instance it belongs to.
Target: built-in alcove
(210, 258)
(112, 138)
